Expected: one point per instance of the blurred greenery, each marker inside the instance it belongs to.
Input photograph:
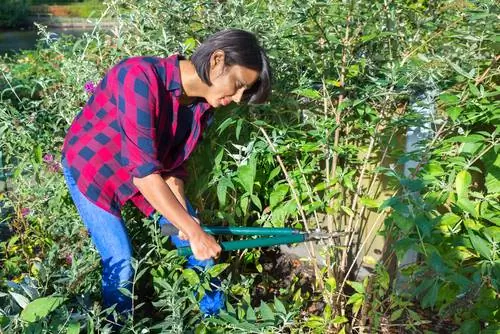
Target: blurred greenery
(16, 13)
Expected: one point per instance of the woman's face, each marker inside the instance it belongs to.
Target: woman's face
(228, 82)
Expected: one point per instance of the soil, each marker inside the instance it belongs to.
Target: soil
(281, 270)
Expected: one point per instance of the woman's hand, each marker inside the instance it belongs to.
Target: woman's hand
(204, 245)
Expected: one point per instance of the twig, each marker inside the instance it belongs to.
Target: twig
(483, 76)
(310, 248)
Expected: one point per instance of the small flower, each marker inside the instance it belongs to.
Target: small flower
(25, 212)
(48, 158)
(89, 87)
(55, 167)
(69, 259)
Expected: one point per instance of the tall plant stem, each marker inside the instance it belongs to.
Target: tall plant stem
(309, 191)
(337, 112)
(349, 239)
(360, 249)
(310, 246)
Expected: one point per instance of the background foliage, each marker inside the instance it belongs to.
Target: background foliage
(327, 151)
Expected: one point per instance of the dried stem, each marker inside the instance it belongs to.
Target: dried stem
(310, 246)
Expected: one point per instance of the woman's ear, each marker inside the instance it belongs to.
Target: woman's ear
(217, 62)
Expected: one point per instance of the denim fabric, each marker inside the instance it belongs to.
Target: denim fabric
(110, 237)
(111, 240)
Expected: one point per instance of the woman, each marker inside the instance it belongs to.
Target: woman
(131, 140)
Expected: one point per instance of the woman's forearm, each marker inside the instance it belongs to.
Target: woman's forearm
(164, 200)
(177, 186)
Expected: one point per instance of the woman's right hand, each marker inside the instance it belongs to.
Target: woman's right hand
(204, 245)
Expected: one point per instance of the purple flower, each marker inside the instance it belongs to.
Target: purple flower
(68, 259)
(55, 167)
(89, 87)
(25, 212)
(48, 158)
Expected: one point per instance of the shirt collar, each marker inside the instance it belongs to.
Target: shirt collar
(174, 77)
(174, 81)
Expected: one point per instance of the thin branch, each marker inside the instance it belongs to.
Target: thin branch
(310, 248)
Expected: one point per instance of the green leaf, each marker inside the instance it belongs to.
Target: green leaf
(357, 286)
(244, 203)
(217, 269)
(472, 138)
(251, 314)
(222, 191)
(331, 284)
(339, 320)
(278, 306)
(449, 219)
(228, 318)
(21, 300)
(480, 245)
(356, 300)
(462, 183)
(396, 315)
(449, 99)
(189, 44)
(370, 203)
(225, 124)
(278, 195)
(191, 276)
(314, 322)
(238, 128)
(256, 201)
(467, 205)
(73, 328)
(246, 175)
(473, 89)
(273, 174)
(429, 299)
(347, 210)
(308, 92)
(491, 162)
(348, 180)
(470, 326)
(40, 308)
(126, 292)
(38, 154)
(454, 112)
(266, 312)
(459, 70)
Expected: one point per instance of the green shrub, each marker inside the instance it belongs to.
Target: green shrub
(345, 74)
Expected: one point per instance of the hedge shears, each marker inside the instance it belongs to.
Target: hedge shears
(270, 236)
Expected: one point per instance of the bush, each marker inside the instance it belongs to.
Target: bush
(325, 152)
(13, 13)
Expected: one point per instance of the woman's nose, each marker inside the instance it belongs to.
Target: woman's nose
(238, 95)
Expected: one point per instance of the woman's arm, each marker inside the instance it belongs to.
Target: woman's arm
(177, 186)
(164, 200)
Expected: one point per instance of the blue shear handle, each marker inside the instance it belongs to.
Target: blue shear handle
(252, 243)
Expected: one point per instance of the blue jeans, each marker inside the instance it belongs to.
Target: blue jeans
(110, 237)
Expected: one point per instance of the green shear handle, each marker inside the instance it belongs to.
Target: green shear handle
(278, 236)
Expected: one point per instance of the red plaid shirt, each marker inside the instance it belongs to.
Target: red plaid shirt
(133, 125)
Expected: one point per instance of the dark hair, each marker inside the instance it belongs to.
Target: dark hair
(240, 48)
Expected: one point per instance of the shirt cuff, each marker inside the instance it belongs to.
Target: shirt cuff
(146, 169)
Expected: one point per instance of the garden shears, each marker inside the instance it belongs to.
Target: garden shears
(271, 236)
